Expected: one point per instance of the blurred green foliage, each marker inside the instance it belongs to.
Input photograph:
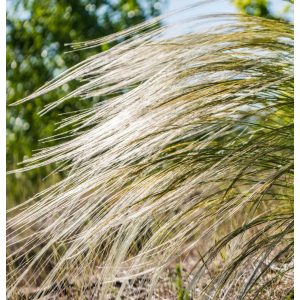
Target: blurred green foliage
(37, 32)
(262, 8)
(254, 7)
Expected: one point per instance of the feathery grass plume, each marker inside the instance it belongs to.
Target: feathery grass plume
(190, 147)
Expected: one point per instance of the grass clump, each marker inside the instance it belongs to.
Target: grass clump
(182, 293)
(190, 147)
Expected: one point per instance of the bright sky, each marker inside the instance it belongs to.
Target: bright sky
(220, 6)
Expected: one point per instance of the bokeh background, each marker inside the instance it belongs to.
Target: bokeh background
(37, 32)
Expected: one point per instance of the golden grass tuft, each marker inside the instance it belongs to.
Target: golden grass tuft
(190, 146)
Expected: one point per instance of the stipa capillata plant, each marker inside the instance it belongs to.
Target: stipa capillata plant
(189, 146)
